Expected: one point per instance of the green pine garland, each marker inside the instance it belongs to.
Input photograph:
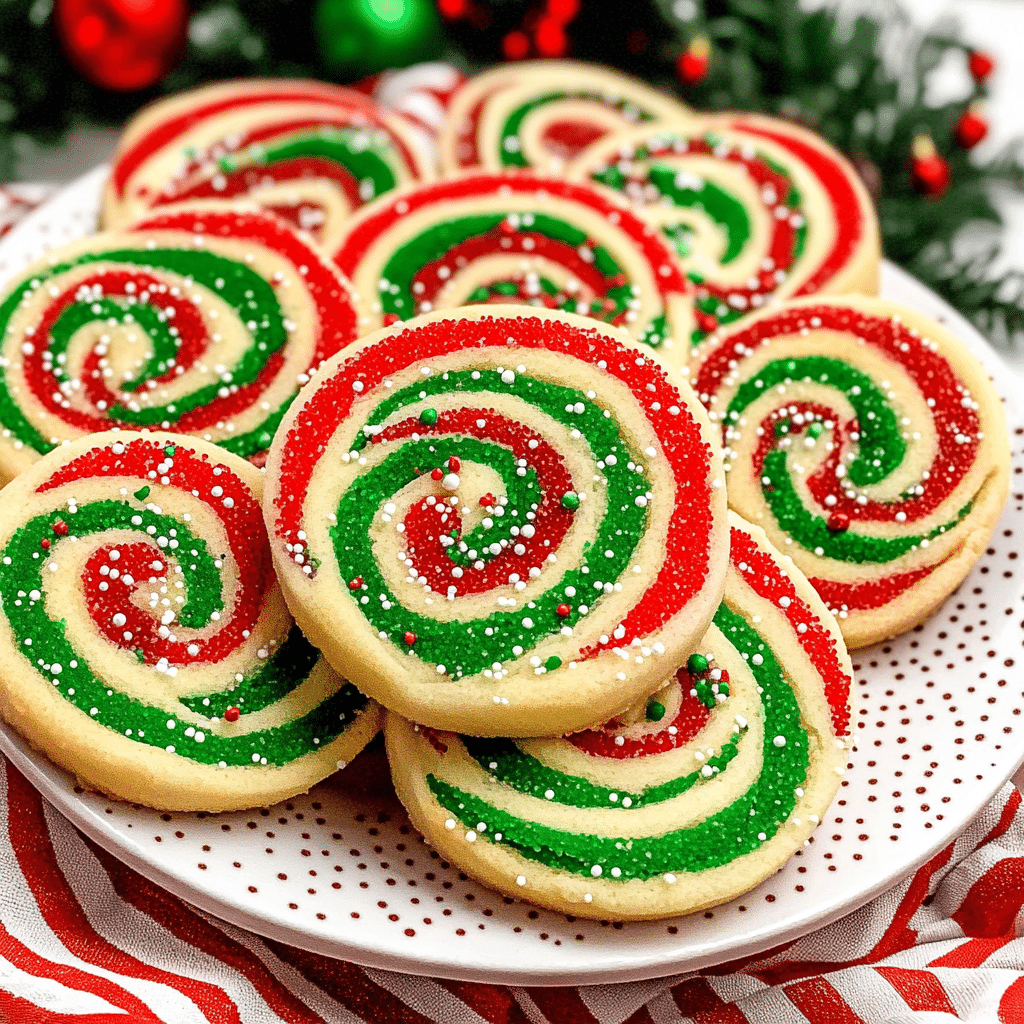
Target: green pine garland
(824, 68)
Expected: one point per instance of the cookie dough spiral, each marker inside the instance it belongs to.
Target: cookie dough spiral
(694, 798)
(506, 520)
(542, 113)
(515, 237)
(307, 151)
(145, 644)
(755, 208)
(869, 444)
(205, 322)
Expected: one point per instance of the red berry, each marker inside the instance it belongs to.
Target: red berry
(45, 543)
(563, 610)
(60, 528)
(391, 318)
(971, 129)
(437, 474)
(839, 522)
(563, 10)
(454, 464)
(982, 65)
(692, 66)
(931, 175)
(452, 9)
(356, 583)
(550, 38)
(410, 638)
(231, 714)
(489, 499)
(516, 45)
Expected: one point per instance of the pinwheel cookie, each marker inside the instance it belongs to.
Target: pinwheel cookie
(755, 208)
(502, 522)
(308, 151)
(541, 113)
(205, 321)
(695, 797)
(144, 643)
(871, 446)
(515, 237)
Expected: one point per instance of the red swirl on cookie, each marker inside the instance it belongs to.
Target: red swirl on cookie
(308, 151)
(503, 497)
(867, 439)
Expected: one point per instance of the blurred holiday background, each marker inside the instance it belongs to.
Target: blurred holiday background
(923, 98)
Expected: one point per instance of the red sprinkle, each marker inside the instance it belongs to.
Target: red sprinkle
(454, 464)
(839, 522)
(706, 323)
(60, 528)
(489, 499)
(356, 583)
(231, 714)
(45, 543)
(391, 318)
(563, 610)
(437, 474)
(410, 638)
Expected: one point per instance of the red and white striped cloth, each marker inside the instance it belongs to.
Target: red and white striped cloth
(86, 940)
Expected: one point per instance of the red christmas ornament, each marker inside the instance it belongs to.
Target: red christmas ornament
(971, 128)
(694, 61)
(122, 45)
(516, 45)
(981, 64)
(929, 170)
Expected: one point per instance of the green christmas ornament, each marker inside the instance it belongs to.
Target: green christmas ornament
(359, 37)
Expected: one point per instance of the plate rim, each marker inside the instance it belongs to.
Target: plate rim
(57, 787)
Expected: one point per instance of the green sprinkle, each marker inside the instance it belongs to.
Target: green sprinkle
(704, 693)
(571, 500)
(428, 417)
(655, 711)
(723, 688)
(815, 429)
(697, 664)
(170, 450)
(553, 662)
(142, 493)
(781, 427)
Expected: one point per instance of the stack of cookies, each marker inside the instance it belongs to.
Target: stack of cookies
(575, 451)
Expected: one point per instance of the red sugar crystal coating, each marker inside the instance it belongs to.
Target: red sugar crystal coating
(242, 524)
(765, 577)
(930, 372)
(836, 181)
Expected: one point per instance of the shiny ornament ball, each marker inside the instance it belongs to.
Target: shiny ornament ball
(360, 37)
(122, 45)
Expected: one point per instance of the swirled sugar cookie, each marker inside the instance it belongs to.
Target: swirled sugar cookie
(695, 797)
(145, 646)
(870, 445)
(307, 151)
(541, 113)
(206, 322)
(515, 237)
(755, 208)
(504, 522)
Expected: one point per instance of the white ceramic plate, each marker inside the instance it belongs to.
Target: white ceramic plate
(340, 871)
